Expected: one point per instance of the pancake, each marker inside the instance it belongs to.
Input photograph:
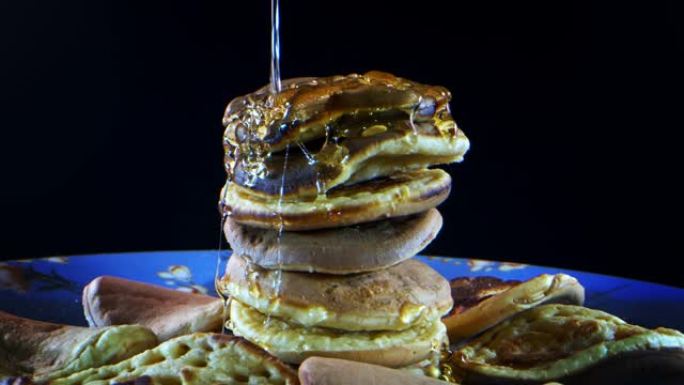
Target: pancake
(293, 344)
(168, 313)
(44, 350)
(334, 371)
(429, 367)
(571, 345)
(467, 292)
(487, 302)
(396, 298)
(197, 358)
(353, 249)
(399, 195)
(341, 130)
(347, 162)
(306, 105)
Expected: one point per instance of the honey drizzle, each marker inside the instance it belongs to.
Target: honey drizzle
(445, 367)
(275, 47)
(275, 89)
(277, 283)
(220, 267)
(412, 116)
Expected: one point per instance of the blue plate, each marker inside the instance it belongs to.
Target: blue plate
(49, 289)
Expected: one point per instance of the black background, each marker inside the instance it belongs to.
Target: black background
(111, 136)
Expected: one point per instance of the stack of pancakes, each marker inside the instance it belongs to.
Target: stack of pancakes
(329, 195)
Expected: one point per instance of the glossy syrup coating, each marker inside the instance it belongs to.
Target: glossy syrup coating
(371, 125)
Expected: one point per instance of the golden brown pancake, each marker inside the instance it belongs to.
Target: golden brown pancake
(340, 130)
(349, 162)
(396, 298)
(571, 345)
(334, 371)
(168, 313)
(193, 359)
(306, 105)
(44, 350)
(486, 302)
(398, 195)
(352, 249)
(467, 292)
(292, 343)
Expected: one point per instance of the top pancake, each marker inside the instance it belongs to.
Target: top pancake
(303, 108)
(342, 130)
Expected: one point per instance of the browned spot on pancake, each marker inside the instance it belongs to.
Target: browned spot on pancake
(467, 292)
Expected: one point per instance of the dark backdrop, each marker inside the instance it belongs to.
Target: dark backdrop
(110, 119)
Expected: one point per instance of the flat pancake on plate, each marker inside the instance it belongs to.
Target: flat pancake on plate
(199, 358)
(168, 313)
(43, 350)
(571, 345)
(483, 302)
(334, 371)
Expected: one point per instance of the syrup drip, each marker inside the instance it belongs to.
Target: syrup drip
(221, 260)
(447, 371)
(412, 116)
(275, 47)
(275, 89)
(278, 281)
(312, 160)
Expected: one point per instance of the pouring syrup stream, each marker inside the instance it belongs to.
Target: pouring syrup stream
(275, 47)
(221, 259)
(275, 89)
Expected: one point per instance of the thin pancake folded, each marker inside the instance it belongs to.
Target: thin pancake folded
(345, 250)
(168, 313)
(488, 302)
(293, 344)
(398, 195)
(397, 298)
(571, 345)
